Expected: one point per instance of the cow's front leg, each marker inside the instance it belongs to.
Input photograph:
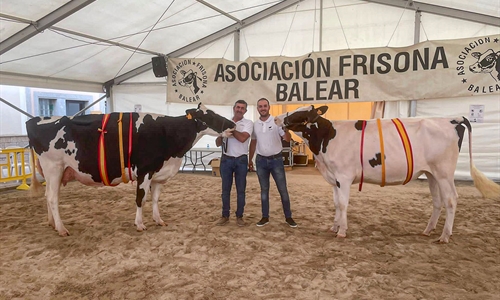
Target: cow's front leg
(335, 227)
(341, 196)
(143, 184)
(155, 195)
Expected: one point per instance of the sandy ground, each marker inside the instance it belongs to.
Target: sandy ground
(383, 257)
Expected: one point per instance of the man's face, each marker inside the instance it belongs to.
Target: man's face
(239, 110)
(263, 108)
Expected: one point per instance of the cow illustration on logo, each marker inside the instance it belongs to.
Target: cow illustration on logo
(480, 57)
(487, 62)
(189, 80)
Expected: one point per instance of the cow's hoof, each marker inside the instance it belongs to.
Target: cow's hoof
(63, 232)
(161, 223)
(52, 224)
(441, 241)
(141, 228)
(427, 232)
(341, 236)
(334, 229)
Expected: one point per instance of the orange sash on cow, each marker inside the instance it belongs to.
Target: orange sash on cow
(406, 145)
(382, 152)
(102, 151)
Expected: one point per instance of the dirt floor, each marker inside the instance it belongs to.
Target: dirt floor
(383, 257)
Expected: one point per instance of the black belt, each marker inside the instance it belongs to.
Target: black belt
(224, 155)
(279, 155)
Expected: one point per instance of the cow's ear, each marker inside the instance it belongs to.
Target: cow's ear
(476, 55)
(322, 110)
(190, 112)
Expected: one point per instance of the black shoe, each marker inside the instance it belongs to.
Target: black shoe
(291, 222)
(263, 222)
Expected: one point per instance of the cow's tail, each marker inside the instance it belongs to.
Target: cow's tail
(487, 187)
(36, 186)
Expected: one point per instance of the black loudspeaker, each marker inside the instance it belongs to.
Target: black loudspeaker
(159, 66)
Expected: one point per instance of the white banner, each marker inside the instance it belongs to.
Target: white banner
(432, 69)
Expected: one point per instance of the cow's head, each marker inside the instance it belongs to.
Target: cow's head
(485, 61)
(300, 117)
(306, 123)
(208, 122)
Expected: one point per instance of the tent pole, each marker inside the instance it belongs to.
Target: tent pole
(416, 40)
(236, 40)
(15, 107)
(320, 25)
(108, 86)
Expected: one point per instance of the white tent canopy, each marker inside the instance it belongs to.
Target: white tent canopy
(96, 46)
(82, 44)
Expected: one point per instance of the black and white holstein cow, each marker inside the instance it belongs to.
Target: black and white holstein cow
(387, 152)
(109, 149)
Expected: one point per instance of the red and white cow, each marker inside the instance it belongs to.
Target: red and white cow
(109, 149)
(387, 152)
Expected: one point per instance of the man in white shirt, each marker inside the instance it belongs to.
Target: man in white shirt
(266, 141)
(235, 161)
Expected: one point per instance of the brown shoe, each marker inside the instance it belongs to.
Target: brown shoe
(222, 221)
(240, 222)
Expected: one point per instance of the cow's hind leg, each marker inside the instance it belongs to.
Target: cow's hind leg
(436, 203)
(448, 194)
(50, 218)
(143, 184)
(155, 195)
(53, 175)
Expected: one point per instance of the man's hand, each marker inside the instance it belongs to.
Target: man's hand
(227, 133)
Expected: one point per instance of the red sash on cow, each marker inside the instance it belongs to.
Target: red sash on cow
(102, 150)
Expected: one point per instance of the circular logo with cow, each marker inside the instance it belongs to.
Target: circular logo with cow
(189, 80)
(478, 59)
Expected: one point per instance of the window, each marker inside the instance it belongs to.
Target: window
(73, 106)
(47, 107)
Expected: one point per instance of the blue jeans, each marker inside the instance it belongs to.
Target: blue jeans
(274, 166)
(239, 167)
